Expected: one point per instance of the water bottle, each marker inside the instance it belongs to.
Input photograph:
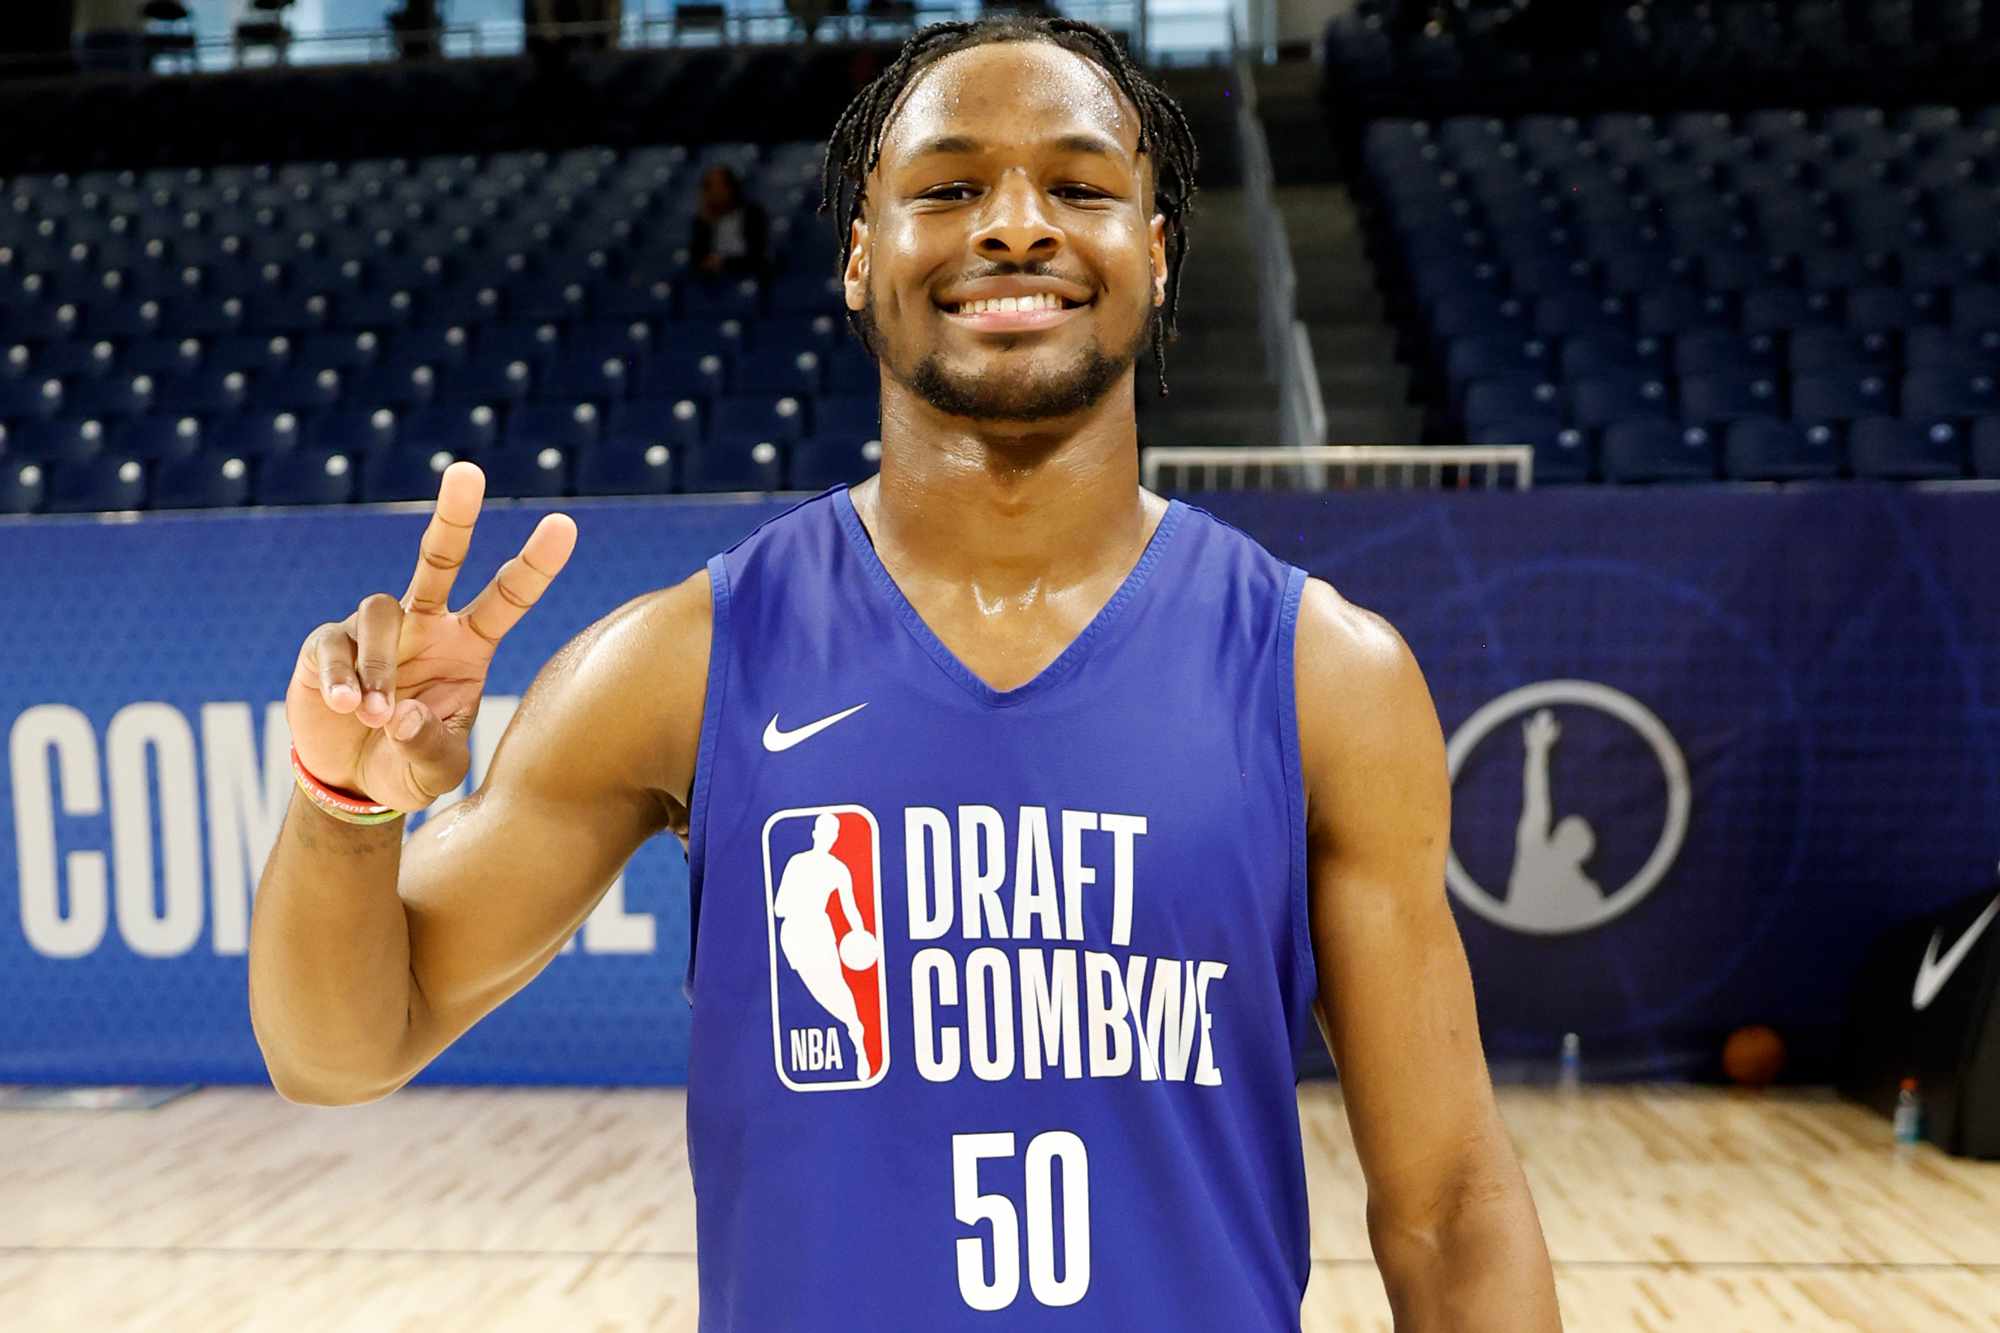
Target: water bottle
(1570, 1075)
(1909, 1114)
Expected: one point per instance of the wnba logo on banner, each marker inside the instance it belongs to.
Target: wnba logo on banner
(829, 989)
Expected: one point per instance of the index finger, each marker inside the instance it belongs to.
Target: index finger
(442, 552)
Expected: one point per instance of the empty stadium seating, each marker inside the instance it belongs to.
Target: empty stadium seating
(1774, 295)
(321, 333)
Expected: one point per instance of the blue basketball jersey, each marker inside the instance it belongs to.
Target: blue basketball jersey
(997, 993)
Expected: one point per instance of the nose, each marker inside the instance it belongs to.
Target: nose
(1014, 224)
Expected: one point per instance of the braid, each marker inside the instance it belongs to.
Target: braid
(855, 146)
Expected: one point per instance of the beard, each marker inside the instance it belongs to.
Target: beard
(1009, 397)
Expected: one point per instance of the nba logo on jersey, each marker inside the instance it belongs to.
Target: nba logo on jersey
(829, 989)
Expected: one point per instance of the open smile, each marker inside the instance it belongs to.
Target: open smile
(1009, 314)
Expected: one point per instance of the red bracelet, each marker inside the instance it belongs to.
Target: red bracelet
(336, 800)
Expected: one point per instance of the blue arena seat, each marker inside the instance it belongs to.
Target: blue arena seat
(733, 464)
(105, 482)
(298, 388)
(1582, 358)
(443, 346)
(353, 430)
(759, 416)
(258, 434)
(1647, 451)
(205, 392)
(159, 438)
(408, 472)
(62, 439)
(457, 428)
(1501, 356)
(1842, 352)
(617, 467)
(527, 472)
(307, 476)
(1976, 308)
(572, 426)
(678, 423)
(29, 399)
(1906, 450)
(1488, 402)
(1781, 451)
(1708, 352)
(23, 486)
(1945, 393)
(820, 461)
(1714, 400)
(1841, 396)
(1563, 454)
(1947, 350)
(585, 374)
(1602, 400)
(778, 369)
(202, 481)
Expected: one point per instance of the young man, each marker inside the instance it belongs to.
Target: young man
(1101, 804)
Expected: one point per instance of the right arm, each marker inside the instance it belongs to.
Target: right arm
(365, 964)
(369, 955)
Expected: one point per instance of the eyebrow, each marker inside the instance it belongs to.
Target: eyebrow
(962, 144)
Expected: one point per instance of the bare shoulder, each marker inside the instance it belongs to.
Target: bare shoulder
(621, 703)
(1365, 711)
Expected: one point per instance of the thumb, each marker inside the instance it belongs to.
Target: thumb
(437, 757)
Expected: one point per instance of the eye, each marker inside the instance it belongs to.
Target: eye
(942, 191)
(1085, 191)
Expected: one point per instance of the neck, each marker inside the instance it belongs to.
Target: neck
(1007, 508)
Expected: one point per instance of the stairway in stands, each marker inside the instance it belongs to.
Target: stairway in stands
(1219, 390)
(1365, 387)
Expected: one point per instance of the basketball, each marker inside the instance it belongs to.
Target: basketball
(1753, 1056)
(858, 950)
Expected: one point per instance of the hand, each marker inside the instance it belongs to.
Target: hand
(1541, 730)
(383, 702)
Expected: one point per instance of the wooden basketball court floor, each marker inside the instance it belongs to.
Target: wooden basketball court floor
(526, 1209)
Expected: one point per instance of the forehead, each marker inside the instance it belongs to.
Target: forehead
(1009, 94)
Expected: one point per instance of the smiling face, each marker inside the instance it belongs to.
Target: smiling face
(1009, 175)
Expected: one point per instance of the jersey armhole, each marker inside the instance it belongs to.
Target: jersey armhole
(1305, 980)
(704, 761)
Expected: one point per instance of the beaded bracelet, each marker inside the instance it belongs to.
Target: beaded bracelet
(346, 806)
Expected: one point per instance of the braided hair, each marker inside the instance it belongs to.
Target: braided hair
(855, 145)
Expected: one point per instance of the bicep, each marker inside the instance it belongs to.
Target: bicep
(1395, 990)
(594, 762)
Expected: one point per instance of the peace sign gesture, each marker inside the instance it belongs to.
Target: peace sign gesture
(383, 702)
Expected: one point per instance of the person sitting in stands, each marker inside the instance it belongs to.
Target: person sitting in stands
(731, 232)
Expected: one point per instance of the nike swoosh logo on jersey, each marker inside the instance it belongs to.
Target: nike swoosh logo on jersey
(776, 740)
(1933, 972)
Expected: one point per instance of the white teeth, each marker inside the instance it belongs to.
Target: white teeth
(1038, 301)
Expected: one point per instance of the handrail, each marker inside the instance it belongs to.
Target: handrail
(1316, 465)
(1287, 348)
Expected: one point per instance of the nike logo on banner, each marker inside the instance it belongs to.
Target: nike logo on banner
(1933, 972)
(775, 740)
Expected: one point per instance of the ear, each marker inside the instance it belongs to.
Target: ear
(855, 280)
(1158, 253)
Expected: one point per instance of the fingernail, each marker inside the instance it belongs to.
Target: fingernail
(376, 701)
(342, 693)
(408, 726)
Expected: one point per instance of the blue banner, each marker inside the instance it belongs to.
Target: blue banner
(1706, 745)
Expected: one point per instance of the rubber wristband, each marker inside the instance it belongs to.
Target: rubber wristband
(351, 807)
